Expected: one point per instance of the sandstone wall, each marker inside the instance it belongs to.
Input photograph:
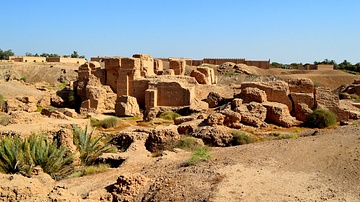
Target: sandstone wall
(27, 59)
(146, 64)
(112, 73)
(66, 60)
(178, 65)
(174, 94)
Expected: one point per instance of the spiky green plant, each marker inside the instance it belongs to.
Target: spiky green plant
(90, 147)
(21, 156)
(53, 159)
(13, 159)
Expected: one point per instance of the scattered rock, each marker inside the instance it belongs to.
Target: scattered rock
(278, 113)
(214, 99)
(250, 94)
(276, 91)
(213, 136)
(200, 77)
(215, 119)
(160, 137)
(128, 186)
(182, 119)
(232, 119)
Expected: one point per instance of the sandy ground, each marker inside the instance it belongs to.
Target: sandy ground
(324, 167)
(319, 168)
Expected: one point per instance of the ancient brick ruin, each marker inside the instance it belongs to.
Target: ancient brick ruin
(140, 77)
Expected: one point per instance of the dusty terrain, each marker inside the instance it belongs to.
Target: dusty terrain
(323, 167)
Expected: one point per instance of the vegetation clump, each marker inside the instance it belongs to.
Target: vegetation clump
(4, 119)
(106, 123)
(22, 155)
(240, 138)
(187, 143)
(169, 115)
(90, 147)
(321, 118)
(89, 170)
(200, 154)
(2, 102)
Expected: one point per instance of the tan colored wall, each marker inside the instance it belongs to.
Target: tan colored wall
(150, 98)
(66, 60)
(73, 60)
(138, 89)
(27, 59)
(174, 94)
(219, 61)
(128, 72)
(15, 58)
(260, 64)
(112, 66)
(158, 66)
(97, 59)
(325, 67)
(146, 64)
(197, 62)
(178, 65)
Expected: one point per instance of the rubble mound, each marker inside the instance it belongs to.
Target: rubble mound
(230, 67)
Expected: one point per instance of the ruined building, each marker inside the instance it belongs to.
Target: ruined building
(127, 84)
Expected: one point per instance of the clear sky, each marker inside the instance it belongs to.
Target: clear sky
(280, 30)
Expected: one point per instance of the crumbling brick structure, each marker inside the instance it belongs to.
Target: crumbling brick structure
(140, 77)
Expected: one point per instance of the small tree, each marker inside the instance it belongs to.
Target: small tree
(4, 55)
(75, 54)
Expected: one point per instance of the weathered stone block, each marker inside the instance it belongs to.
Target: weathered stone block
(127, 106)
(250, 94)
(303, 85)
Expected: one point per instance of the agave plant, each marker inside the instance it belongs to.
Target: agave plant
(53, 159)
(90, 147)
(21, 156)
(13, 158)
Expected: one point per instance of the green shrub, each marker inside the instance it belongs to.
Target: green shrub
(90, 147)
(2, 102)
(100, 168)
(4, 119)
(53, 159)
(94, 122)
(61, 85)
(13, 159)
(169, 115)
(321, 118)
(110, 122)
(200, 154)
(275, 133)
(23, 79)
(21, 156)
(240, 138)
(89, 170)
(187, 143)
(288, 136)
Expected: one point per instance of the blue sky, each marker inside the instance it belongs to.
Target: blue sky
(280, 30)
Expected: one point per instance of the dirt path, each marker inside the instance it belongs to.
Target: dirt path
(324, 167)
